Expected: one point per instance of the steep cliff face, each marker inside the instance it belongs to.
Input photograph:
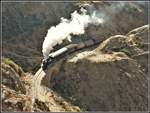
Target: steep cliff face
(25, 25)
(114, 76)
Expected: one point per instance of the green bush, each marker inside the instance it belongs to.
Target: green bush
(12, 64)
(125, 51)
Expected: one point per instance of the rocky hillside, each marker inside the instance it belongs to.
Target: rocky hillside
(17, 92)
(114, 76)
(110, 76)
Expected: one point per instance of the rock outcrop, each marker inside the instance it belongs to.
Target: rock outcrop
(17, 92)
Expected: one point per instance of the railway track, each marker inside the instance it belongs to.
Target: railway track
(54, 57)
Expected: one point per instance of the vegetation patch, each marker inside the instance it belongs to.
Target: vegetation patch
(12, 64)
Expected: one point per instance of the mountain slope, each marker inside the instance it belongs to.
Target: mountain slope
(114, 76)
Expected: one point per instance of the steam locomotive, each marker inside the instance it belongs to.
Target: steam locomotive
(59, 54)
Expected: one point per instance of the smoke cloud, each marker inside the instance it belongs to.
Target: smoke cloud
(75, 26)
(79, 21)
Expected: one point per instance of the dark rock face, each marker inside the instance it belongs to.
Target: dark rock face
(25, 25)
(119, 18)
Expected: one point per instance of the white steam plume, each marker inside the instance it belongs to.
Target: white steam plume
(75, 26)
(78, 22)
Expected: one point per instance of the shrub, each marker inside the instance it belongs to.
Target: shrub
(15, 66)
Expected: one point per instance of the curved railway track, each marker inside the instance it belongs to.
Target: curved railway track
(54, 57)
